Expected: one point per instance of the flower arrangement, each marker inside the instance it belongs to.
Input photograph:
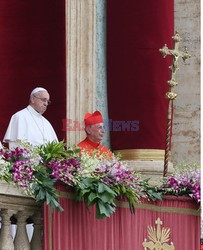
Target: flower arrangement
(97, 180)
(102, 180)
(184, 181)
(23, 167)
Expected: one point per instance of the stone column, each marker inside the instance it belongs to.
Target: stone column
(21, 240)
(36, 242)
(6, 241)
(80, 57)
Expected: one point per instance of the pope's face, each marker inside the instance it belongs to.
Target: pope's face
(40, 101)
(96, 132)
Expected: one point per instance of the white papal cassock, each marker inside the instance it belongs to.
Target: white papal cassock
(29, 125)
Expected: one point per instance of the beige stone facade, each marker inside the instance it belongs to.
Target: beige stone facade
(186, 125)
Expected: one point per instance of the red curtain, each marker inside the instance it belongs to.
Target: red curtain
(137, 74)
(76, 228)
(32, 54)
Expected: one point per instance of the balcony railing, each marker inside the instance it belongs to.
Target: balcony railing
(21, 220)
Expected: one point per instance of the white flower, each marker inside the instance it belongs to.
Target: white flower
(4, 168)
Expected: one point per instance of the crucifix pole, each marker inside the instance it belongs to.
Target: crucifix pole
(171, 95)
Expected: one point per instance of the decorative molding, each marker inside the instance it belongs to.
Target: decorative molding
(7, 189)
(80, 61)
(19, 203)
(142, 154)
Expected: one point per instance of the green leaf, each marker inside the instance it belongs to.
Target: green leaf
(104, 210)
(92, 196)
(106, 197)
(109, 190)
(123, 189)
(48, 197)
(40, 195)
(101, 187)
(158, 196)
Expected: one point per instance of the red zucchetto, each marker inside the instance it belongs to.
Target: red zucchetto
(93, 118)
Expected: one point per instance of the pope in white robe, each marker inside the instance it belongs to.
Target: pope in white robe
(29, 125)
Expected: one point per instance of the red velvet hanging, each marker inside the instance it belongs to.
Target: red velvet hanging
(76, 228)
(32, 54)
(137, 74)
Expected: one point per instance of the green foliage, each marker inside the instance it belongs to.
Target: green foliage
(44, 190)
(57, 150)
(152, 192)
(52, 150)
(93, 191)
(131, 196)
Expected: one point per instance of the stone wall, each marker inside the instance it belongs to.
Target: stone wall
(186, 124)
(101, 84)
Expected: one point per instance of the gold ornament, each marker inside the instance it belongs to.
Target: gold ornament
(175, 53)
(159, 238)
(171, 95)
(172, 83)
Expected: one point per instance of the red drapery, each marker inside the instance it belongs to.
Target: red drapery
(32, 54)
(137, 74)
(77, 228)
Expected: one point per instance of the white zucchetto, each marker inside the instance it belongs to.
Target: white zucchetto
(38, 89)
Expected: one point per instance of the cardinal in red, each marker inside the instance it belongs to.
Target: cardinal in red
(94, 128)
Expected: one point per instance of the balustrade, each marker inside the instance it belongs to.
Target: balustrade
(20, 211)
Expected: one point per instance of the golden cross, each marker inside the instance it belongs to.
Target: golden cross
(175, 53)
(171, 95)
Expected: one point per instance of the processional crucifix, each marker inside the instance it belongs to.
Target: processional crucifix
(171, 95)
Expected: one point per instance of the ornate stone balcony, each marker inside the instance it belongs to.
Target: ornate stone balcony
(20, 220)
